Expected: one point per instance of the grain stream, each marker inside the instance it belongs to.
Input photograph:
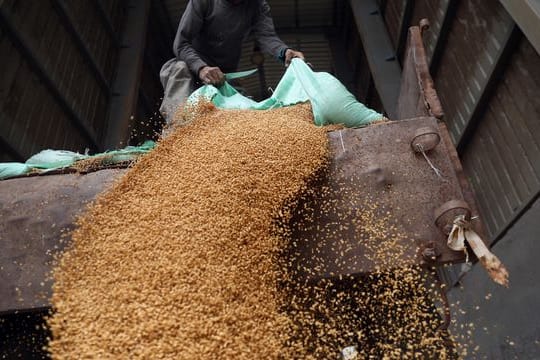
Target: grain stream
(178, 259)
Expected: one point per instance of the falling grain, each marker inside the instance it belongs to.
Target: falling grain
(177, 260)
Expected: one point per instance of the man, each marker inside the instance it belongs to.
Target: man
(208, 44)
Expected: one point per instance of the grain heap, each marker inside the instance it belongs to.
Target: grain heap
(192, 255)
(177, 260)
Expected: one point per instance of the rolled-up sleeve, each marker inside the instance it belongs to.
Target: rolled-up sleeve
(190, 25)
(265, 33)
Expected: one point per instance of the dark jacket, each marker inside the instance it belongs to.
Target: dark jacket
(211, 33)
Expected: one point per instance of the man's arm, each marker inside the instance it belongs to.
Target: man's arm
(190, 25)
(266, 36)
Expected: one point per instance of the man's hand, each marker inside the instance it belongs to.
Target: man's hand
(211, 75)
(291, 54)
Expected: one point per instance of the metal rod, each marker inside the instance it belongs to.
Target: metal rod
(18, 40)
(66, 20)
(106, 20)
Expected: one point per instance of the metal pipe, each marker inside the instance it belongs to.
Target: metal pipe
(18, 40)
(66, 20)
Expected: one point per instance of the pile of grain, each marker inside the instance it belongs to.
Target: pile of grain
(178, 259)
(189, 256)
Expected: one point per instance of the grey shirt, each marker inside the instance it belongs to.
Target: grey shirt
(211, 33)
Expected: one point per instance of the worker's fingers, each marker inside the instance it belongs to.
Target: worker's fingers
(212, 75)
(291, 54)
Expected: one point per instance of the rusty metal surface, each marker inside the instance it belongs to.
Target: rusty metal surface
(35, 213)
(417, 95)
(374, 170)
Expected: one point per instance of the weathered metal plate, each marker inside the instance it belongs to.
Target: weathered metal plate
(35, 212)
(376, 187)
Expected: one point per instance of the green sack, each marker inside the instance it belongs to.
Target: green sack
(13, 169)
(332, 103)
(48, 160)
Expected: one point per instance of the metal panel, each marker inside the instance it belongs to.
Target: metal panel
(493, 77)
(318, 13)
(383, 64)
(503, 157)
(375, 171)
(53, 87)
(284, 13)
(126, 86)
(392, 17)
(526, 13)
(417, 95)
(34, 214)
(476, 38)
(506, 321)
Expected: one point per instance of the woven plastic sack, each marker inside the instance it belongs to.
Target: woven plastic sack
(332, 103)
(48, 160)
